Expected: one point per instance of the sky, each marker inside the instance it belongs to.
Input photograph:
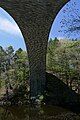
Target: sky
(56, 26)
(10, 33)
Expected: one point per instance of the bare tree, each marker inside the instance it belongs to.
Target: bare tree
(70, 23)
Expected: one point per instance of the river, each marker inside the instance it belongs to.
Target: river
(38, 113)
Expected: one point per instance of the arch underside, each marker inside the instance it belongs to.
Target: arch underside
(35, 19)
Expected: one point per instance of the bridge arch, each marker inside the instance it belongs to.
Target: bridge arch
(35, 19)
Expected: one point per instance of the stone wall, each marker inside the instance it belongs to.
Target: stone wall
(35, 18)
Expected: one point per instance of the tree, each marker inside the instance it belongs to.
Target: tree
(52, 46)
(64, 61)
(14, 68)
(70, 23)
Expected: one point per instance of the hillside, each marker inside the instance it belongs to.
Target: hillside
(63, 60)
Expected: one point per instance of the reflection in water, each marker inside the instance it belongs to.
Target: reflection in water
(43, 113)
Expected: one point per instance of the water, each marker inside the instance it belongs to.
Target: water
(41, 113)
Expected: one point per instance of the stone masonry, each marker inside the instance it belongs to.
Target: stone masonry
(35, 17)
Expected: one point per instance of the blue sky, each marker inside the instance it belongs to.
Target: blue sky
(10, 33)
(56, 26)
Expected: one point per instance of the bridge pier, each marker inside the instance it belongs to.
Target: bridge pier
(35, 18)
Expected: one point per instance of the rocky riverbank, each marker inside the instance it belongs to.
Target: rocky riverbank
(56, 93)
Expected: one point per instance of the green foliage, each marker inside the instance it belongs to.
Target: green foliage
(10, 50)
(14, 68)
(63, 59)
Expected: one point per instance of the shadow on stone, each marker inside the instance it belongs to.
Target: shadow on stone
(58, 93)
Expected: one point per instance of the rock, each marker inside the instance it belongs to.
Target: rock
(1, 103)
(58, 93)
(20, 103)
(37, 102)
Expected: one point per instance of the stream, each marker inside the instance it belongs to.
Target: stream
(37, 113)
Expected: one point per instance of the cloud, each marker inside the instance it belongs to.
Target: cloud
(60, 38)
(9, 27)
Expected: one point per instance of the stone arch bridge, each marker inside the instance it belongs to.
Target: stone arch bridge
(35, 18)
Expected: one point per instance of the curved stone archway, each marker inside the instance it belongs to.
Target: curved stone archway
(35, 19)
